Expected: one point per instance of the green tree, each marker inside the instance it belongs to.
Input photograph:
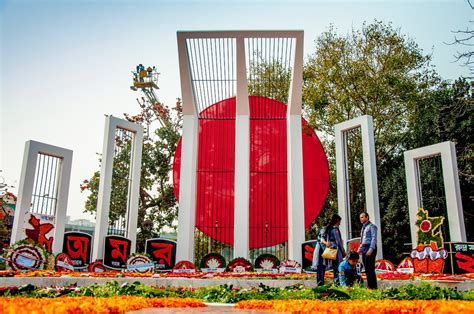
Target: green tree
(157, 203)
(270, 80)
(447, 114)
(373, 71)
(4, 236)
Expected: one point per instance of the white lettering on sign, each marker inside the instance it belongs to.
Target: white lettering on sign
(460, 247)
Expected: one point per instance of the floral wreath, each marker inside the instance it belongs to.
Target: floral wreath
(384, 265)
(213, 260)
(96, 267)
(140, 263)
(290, 263)
(239, 264)
(25, 256)
(407, 262)
(184, 265)
(63, 262)
(267, 261)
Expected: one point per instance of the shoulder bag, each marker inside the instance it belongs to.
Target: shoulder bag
(329, 253)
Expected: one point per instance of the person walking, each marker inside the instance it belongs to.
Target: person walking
(368, 248)
(318, 261)
(334, 240)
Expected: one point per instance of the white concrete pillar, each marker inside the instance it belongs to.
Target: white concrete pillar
(342, 175)
(134, 187)
(370, 176)
(242, 157)
(296, 227)
(447, 150)
(25, 190)
(105, 184)
(189, 147)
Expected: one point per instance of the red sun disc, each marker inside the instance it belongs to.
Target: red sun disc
(268, 219)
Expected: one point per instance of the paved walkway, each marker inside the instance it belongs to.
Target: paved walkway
(211, 308)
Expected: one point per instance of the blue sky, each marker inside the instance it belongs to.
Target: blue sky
(64, 64)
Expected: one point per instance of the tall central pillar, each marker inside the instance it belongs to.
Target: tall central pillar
(242, 157)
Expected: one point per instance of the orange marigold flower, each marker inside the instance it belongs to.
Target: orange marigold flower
(361, 307)
(119, 304)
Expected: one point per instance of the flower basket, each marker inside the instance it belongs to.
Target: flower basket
(428, 259)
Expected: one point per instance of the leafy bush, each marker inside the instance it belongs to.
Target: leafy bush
(425, 291)
(229, 294)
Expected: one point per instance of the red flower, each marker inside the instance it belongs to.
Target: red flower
(425, 226)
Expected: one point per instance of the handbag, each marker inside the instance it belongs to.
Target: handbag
(330, 253)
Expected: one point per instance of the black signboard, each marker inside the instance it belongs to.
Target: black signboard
(116, 252)
(162, 252)
(308, 251)
(78, 246)
(460, 258)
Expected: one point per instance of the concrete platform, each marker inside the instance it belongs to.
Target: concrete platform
(198, 283)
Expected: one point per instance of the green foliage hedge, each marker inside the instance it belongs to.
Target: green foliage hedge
(229, 294)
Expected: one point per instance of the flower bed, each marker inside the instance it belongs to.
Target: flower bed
(365, 307)
(115, 298)
(117, 274)
(118, 304)
(469, 277)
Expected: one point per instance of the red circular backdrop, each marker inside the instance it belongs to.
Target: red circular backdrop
(268, 217)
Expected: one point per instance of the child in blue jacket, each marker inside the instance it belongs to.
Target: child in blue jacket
(347, 270)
